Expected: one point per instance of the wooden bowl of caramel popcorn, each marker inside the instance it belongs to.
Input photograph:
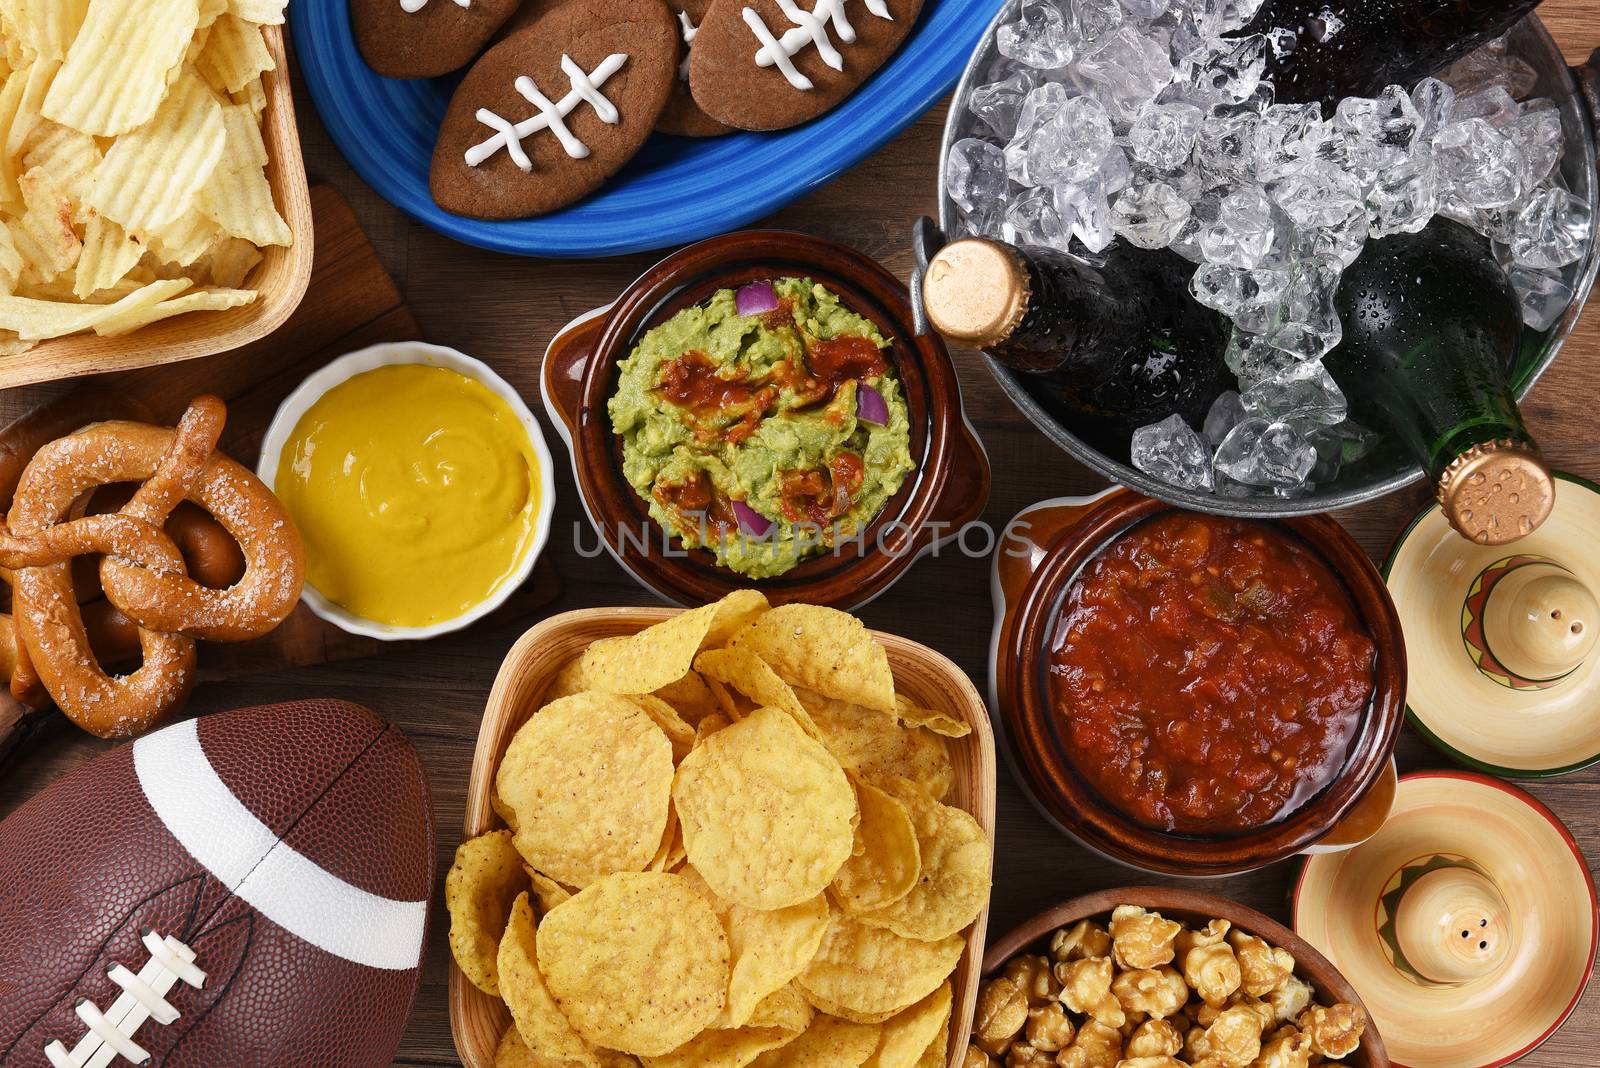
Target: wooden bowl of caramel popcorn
(1150, 977)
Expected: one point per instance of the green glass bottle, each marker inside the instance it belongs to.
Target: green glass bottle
(1114, 343)
(1326, 50)
(1431, 325)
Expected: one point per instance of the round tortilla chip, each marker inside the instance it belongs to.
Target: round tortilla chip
(785, 1008)
(638, 962)
(876, 748)
(663, 654)
(941, 723)
(828, 1043)
(768, 948)
(886, 861)
(479, 892)
(589, 779)
(723, 1049)
(767, 812)
(822, 649)
(957, 870)
(869, 974)
(539, 1020)
(907, 1036)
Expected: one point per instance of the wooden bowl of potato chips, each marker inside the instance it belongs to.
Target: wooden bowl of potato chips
(736, 835)
(151, 184)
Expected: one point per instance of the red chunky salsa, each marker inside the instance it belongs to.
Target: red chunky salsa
(1210, 673)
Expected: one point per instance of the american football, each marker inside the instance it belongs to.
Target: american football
(246, 888)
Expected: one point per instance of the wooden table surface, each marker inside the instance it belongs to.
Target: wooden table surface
(504, 310)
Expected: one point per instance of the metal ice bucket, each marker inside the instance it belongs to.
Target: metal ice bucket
(1575, 91)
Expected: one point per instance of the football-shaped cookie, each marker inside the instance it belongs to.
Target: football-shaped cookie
(555, 108)
(425, 38)
(246, 889)
(683, 116)
(769, 64)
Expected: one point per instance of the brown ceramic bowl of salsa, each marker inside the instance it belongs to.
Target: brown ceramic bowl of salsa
(1196, 694)
(947, 488)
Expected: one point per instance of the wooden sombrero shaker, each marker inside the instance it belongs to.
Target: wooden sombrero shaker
(1468, 924)
(1501, 639)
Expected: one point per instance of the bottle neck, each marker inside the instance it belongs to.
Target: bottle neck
(1075, 322)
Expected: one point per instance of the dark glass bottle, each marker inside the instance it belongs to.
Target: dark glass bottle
(1119, 342)
(1431, 325)
(1326, 50)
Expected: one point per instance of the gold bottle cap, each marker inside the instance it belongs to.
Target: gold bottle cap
(1497, 492)
(976, 292)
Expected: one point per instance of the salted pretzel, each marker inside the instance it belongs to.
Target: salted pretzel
(143, 574)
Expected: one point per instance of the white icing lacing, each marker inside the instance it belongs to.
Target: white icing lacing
(143, 997)
(689, 30)
(411, 7)
(551, 116)
(810, 28)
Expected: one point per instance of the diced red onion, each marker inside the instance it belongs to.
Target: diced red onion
(870, 405)
(755, 298)
(751, 521)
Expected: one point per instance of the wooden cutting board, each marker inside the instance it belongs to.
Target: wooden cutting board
(351, 303)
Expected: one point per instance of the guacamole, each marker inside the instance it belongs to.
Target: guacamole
(767, 437)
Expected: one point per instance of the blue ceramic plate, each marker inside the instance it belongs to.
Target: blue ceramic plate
(676, 190)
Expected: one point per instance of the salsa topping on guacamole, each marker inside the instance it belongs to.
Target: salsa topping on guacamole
(766, 435)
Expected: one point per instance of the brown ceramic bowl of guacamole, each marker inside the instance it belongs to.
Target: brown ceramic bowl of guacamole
(756, 410)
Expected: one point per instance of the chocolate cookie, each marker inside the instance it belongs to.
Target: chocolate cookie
(425, 38)
(683, 116)
(555, 108)
(768, 64)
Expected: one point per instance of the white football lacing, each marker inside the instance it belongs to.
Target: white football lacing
(143, 998)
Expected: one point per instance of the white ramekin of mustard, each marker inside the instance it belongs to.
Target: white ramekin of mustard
(421, 484)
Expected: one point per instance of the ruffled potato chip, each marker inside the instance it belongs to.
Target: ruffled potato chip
(768, 948)
(886, 859)
(120, 63)
(910, 1033)
(825, 650)
(234, 54)
(828, 1043)
(538, 1018)
(869, 974)
(876, 748)
(768, 815)
(109, 253)
(485, 880)
(43, 235)
(956, 871)
(237, 196)
(266, 12)
(45, 27)
(638, 962)
(589, 779)
(151, 176)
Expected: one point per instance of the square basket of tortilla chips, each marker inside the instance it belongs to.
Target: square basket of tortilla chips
(153, 200)
(735, 835)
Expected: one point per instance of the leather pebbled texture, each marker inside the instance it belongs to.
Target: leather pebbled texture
(87, 865)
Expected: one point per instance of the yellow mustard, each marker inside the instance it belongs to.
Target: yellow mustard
(415, 489)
